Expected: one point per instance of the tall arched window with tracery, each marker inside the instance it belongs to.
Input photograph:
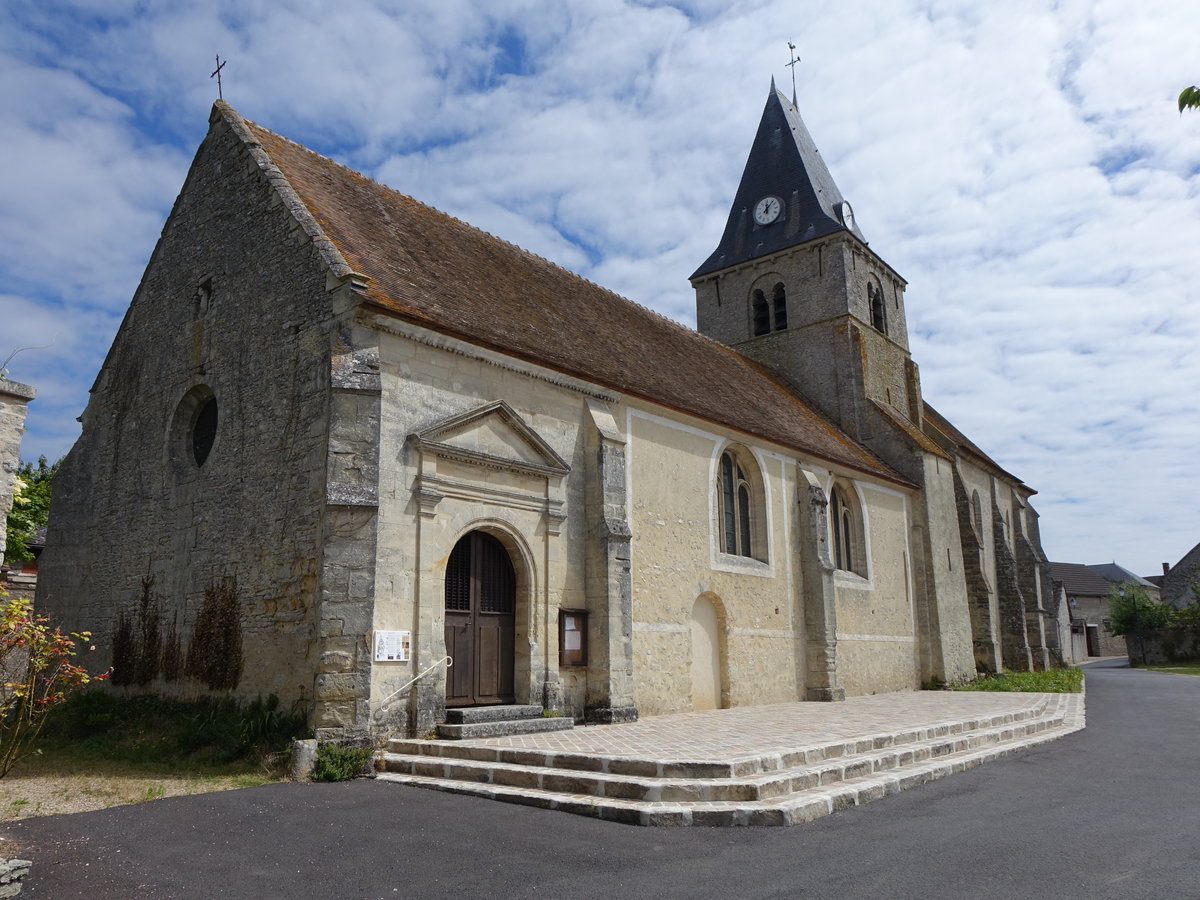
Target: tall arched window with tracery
(846, 523)
(740, 506)
(735, 508)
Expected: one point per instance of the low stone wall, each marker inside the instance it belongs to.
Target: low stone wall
(12, 871)
(1157, 648)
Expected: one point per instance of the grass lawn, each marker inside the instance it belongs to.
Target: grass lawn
(1068, 680)
(1188, 669)
(100, 750)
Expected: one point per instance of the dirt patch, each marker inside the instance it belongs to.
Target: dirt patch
(24, 796)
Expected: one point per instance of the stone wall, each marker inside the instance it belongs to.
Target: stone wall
(234, 305)
(828, 334)
(1162, 648)
(1094, 611)
(14, 400)
(1179, 580)
(627, 534)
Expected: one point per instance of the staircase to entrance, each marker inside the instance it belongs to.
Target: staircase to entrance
(465, 723)
(749, 766)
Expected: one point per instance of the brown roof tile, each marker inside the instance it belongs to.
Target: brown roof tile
(429, 268)
(1079, 580)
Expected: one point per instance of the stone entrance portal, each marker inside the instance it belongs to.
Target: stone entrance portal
(481, 591)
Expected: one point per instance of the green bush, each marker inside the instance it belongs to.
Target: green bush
(338, 763)
(156, 730)
(1065, 680)
(1130, 610)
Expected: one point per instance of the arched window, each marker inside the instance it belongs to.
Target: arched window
(779, 301)
(740, 506)
(878, 308)
(735, 508)
(762, 314)
(977, 513)
(846, 523)
(204, 431)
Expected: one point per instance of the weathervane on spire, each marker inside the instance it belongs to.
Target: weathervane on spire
(792, 65)
(216, 73)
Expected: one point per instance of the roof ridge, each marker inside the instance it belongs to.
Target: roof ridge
(432, 268)
(501, 240)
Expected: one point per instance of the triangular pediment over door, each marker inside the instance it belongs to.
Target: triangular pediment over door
(495, 437)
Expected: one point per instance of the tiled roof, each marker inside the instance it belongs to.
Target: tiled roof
(1118, 574)
(922, 440)
(1079, 580)
(433, 270)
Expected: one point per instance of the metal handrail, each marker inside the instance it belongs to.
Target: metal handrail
(448, 660)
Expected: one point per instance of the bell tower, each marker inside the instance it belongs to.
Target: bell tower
(794, 285)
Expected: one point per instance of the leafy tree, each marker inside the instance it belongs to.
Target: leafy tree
(37, 673)
(1189, 98)
(1131, 610)
(31, 507)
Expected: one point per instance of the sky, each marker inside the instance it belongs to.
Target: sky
(1022, 165)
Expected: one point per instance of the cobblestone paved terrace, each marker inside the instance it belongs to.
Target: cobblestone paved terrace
(753, 730)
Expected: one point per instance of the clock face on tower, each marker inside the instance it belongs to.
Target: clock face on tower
(767, 210)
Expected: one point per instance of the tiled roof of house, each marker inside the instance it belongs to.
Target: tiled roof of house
(431, 269)
(1079, 580)
(1117, 574)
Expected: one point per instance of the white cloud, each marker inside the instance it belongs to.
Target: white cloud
(1023, 166)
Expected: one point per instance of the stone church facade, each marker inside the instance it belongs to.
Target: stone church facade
(353, 452)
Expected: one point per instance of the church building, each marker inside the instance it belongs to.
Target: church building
(351, 451)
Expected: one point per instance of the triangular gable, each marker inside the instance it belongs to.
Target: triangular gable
(493, 435)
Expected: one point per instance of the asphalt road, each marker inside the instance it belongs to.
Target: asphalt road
(1112, 811)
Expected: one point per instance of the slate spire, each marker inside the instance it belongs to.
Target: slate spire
(783, 163)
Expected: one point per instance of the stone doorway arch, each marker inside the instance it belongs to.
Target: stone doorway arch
(481, 601)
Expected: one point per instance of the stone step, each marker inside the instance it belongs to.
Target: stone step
(808, 754)
(691, 788)
(787, 809)
(504, 728)
(469, 715)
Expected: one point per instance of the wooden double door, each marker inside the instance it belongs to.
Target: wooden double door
(481, 594)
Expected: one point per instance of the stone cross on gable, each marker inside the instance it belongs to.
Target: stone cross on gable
(216, 73)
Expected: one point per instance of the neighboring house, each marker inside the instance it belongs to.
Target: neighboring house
(1087, 589)
(1179, 579)
(1116, 574)
(20, 578)
(341, 436)
(14, 402)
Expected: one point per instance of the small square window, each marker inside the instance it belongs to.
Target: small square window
(572, 637)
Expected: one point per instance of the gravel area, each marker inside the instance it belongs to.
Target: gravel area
(24, 796)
